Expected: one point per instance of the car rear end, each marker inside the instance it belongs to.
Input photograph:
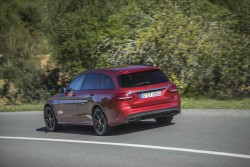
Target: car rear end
(145, 93)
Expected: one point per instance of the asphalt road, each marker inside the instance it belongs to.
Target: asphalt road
(195, 138)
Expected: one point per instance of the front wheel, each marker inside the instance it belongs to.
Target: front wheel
(100, 122)
(164, 120)
(50, 120)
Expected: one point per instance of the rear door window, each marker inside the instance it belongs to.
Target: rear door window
(93, 81)
(107, 83)
(143, 78)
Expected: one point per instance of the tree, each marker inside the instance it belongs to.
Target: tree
(203, 45)
(20, 46)
(241, 11)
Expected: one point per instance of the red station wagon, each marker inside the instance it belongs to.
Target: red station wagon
(108, 97)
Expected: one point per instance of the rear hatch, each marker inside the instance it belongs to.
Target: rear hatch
(147, 88)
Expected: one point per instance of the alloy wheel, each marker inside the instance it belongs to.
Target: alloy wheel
(100, 122)
(49, 119)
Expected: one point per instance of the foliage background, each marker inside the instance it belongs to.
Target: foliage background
(202, 45)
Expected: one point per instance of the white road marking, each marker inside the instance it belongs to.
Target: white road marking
(132, 145)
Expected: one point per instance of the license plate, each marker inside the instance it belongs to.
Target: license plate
(150, 94)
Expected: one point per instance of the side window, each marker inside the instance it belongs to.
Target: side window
(76, 84)
(107, 83)
(93, 82)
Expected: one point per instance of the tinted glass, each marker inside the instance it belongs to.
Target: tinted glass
(93, 82)
(107, 82)
(141, 78)
(76, 84)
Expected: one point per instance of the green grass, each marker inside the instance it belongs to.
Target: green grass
(194, 103)
(205, 103)
(22, 107)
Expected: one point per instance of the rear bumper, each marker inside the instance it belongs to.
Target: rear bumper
(153, 114)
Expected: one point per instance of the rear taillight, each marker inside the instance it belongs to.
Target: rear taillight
(173, 88)
(124, 96)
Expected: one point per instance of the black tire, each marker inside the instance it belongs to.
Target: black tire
(164, 120)
(50, 120)
(100, 122)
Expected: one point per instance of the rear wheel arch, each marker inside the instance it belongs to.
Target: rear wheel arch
(100, 122)
(94, 107)
(97, 105)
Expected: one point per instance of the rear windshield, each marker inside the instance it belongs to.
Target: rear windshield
(143, 78)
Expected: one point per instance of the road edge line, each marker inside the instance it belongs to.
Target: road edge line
(132, 145)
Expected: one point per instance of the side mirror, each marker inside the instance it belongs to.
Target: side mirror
(62, 90)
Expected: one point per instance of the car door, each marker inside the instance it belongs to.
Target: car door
(68, 102)
(89, 94)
